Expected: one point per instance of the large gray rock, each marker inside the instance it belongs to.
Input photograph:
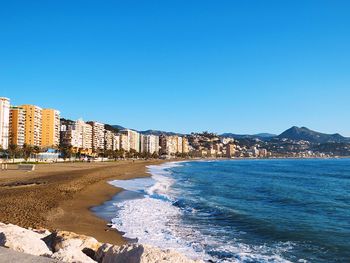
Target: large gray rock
(23, 240)
(137, 253)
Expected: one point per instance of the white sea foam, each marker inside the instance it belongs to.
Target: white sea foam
(156, 221)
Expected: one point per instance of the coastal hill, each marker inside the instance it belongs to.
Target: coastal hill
(305, 134)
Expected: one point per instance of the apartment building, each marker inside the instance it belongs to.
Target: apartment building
(124, 142)
(168, 144)
(133, 138)
(111, 141)
(185, 145)
(179, 144)
(149, 144)
(98, 135)
(77, 134)
(4, 122)
(50, 136)
(33, 124)
(230, 150)
(17, 126)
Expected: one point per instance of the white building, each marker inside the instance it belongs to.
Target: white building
(124, 142)
(150, 144)
(133, 138)
(98, 135)
(4, 122)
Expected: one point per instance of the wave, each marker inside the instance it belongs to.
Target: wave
(158, 220)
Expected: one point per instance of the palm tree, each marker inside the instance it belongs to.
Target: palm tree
(13, 150)
(27, 151)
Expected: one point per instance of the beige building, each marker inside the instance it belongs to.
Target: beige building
(33, 124)
(185, 145)
(98, 135)
(124, 142)
(85, 135)
(17, 126)
(169, 145)
(4, 122)
(150, 144)
(111, 141)
(77, 134)
(179, 145)
(133, 138)
(50, 136)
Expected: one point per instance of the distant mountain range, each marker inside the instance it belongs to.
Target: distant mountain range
(150, 132)
(303, 133)
(261, 136)
(294, 133)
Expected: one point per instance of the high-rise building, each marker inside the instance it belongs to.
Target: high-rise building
(77, 134)
(169, 144)
(33, 125)
(133, 138)
(50, 136)
(150, 144)
(230, 150)
(124, 142)
(111, 141)
(185, 145)
(4, 122)
(17, 126)
(179, 144)
(98, 135)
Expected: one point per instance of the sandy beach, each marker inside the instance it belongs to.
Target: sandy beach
(59, 196)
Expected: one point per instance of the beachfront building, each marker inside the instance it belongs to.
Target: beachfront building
(185, 145)
(124, 142)
(230, 150)
(17, 126)
(111, 141)
(50, 136)
(77, 134)
(98, 135)
(33, 124)
(133, 139)
(150, 144)
(4, 122)
(179, 144)
(169, 144)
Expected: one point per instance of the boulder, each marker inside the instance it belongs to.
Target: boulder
(72, 255)
(65, 240)
(23, 240)
(137, 253)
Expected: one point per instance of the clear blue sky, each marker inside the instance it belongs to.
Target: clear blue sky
(223, 66)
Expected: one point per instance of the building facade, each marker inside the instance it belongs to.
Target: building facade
(33, 125)
(185, 145)
(98, 135)
(4, 122)
(50, 136)
(150, 144)
(124, 142)
(17, 126)
(133, 138)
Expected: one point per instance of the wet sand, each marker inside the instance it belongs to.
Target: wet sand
(59, 196)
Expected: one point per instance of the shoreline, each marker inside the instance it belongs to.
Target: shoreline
(60, 196)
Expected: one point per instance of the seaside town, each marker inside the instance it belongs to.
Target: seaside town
(38, 134)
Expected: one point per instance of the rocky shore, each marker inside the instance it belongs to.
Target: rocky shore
(64, 246)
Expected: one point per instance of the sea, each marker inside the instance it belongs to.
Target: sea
(277, 210)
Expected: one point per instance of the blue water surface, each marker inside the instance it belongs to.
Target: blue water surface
(292, 210)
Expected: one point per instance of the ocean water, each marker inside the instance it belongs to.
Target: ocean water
(242, 210)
